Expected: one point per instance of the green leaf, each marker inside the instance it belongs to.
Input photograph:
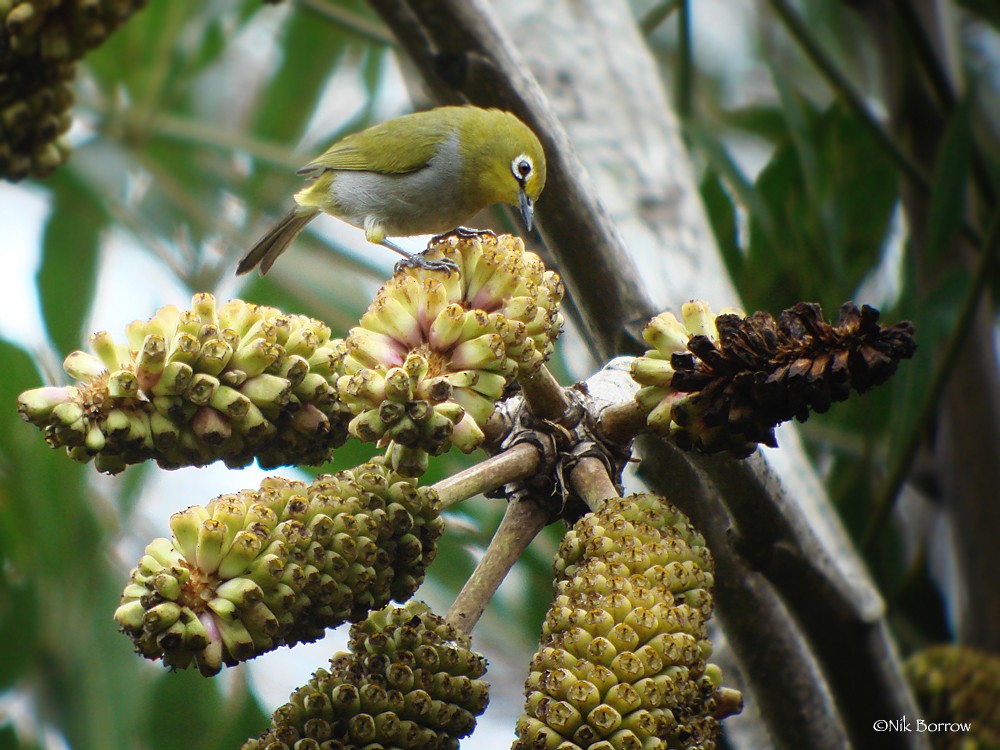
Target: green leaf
(933, 315)
(19, 592)
(167, 45)
(9, 740)
(19, 624)
(313, 48)
(772, 277)
(826, 237)
(728, 170)
(311, 52)
(55, 549)
(800, 120)
(67, 276)
(761, 120)
(722, 216)
(46, 525)
(948, 189)
(92, 659)
(859, 191)
(210, 720)
(149, 40)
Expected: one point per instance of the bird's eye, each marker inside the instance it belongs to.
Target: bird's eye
(521, 167)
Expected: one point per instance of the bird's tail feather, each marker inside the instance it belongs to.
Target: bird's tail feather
(271, 245)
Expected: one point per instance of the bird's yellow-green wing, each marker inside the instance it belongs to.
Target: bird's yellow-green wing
(398, 146)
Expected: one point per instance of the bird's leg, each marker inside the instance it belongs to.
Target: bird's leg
(417, 260)
(466, 233)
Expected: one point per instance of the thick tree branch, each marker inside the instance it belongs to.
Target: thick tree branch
(460, 49)
(464, 55)
(842, 617)
(591, 482)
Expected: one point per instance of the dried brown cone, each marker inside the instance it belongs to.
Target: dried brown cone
(410, 682)
(958, 685)
(744, 375)
(622, 661)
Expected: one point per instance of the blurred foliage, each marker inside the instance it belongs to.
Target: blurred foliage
(804, 197)
(191, 121)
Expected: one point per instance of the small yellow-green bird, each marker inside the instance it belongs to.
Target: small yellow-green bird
(422, 173)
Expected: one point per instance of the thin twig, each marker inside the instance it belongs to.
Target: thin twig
(982, 273)
(518, 462)
(351, 21)
(521, 523)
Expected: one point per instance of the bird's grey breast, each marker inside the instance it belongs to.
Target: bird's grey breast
(425, 201)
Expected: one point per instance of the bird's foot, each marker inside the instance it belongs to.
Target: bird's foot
(465, 233)
(419, 260)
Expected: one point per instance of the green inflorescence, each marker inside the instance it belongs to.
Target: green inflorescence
(277, 566)
(622, 660)
(410, 682)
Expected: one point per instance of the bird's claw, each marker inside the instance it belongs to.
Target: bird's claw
(464, 233)
(419, 260)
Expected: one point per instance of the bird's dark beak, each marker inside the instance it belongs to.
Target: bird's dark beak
(527, 208)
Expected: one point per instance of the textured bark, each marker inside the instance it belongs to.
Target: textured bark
(602, 82)
(786, 685)
(465, 55)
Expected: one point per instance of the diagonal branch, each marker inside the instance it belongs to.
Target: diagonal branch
(465, 56)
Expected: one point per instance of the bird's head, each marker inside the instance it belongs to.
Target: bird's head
(506, 161)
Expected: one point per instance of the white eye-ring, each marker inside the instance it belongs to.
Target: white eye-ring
(522, 167)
